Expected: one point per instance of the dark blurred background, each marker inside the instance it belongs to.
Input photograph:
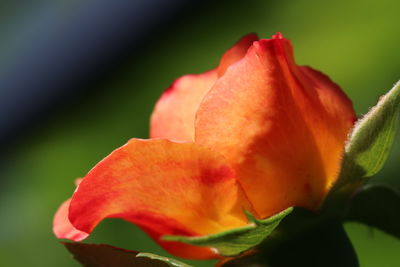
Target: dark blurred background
(79, 78)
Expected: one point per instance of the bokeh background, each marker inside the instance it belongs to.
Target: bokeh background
(79, 78)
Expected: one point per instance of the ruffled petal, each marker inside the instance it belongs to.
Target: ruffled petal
(174, 113)
(282, 127)
(166, 188)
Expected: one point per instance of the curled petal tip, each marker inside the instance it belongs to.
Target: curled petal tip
(63, 228)
(237, 52)
(277, 36)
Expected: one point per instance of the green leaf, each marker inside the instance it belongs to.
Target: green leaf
(371, 139)
(93, 255)
(377, 206)
(326, 244)
(235, 241)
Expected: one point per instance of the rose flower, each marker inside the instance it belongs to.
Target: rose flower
(257, 133)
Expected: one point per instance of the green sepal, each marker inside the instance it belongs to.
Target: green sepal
(366, 151)
(326, 244)
(235, 241)
(371, 139)
(378, 206)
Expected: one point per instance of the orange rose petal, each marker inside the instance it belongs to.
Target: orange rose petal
(237, 52)
(62, 227)
(166, 188)
(282, 127)
(174, 113)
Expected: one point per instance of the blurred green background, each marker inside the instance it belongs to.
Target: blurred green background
(354, 42)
